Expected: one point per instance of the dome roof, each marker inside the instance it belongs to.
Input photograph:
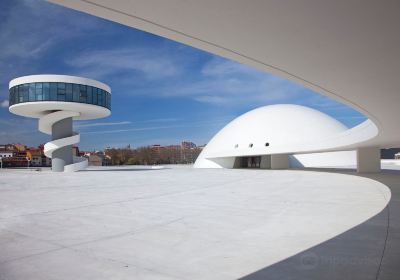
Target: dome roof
(263, 129)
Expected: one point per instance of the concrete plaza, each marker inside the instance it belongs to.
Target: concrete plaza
(184, 223)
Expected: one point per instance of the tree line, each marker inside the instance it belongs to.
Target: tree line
(151, 156)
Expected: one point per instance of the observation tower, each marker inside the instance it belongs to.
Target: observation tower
(57, 100)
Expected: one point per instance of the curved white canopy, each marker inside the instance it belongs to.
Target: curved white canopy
(347, 50)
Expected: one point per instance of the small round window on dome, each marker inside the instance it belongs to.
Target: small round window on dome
(251, 145)
(266, 144)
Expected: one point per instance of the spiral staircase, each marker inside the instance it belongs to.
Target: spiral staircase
(46, 123)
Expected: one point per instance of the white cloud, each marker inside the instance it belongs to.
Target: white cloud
(133, 129)
(217, 122)
(223, 67)
(25, 31)
(153, 64)
(160, 120)
(4, 104)
(95, 124)
(224, 82)
(163, 72)
(102, 124)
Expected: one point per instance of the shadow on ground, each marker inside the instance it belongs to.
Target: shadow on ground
(370, 250)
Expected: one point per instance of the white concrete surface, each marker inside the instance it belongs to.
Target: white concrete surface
(327, 159)
(390, 164)
(36, 109)
(175, 223)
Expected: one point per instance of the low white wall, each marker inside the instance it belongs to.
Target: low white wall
(328, 159)
(225, 162)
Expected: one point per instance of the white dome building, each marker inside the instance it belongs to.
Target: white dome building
(277, 132)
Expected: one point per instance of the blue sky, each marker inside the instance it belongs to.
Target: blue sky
(163, 92)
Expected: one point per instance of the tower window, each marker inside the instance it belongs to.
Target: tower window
(251, 145)
(237, 145)
(266, 144)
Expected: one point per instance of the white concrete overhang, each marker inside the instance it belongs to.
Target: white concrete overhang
(347, 50)
(346, 140)
(38, 109)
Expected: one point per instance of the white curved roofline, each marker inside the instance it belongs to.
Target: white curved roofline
(348, 140)
(341, 49)
(58, 78)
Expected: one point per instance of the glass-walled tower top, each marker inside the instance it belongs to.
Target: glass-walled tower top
(31, 96)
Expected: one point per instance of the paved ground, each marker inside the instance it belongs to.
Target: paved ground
(183, 223)
(353, 254)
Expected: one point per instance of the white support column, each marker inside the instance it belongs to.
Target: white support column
(279, 161)
(368, 159)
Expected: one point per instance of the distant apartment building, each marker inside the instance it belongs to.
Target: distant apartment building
(7, 151)
(156, 147)
(20, 147)
(18, 155)
(7, 147)
(35, 156)
(46, 162)
(6, 154)
(97, 158)
(188, 145)
(14, 158)
(173, 147)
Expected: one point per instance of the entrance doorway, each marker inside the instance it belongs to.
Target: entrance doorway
(263, 162)
(248, 162)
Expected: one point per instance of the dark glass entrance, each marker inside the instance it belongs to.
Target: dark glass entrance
(248, 162)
